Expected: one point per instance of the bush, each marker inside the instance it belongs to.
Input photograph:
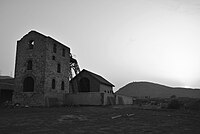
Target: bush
(173, 97)
(174, 104)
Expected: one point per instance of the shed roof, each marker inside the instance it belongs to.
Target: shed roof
(95, 76)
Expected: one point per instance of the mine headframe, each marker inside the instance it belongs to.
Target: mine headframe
(73, 67)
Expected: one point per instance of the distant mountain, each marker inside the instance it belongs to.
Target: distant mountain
(5, 77)
(153, 90)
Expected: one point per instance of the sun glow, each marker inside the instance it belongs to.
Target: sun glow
(181, 55)
(169, 48)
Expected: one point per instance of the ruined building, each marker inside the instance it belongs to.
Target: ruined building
(41, 70)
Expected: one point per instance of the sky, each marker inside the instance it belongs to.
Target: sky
(121, 40)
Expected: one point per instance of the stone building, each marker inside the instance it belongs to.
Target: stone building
(41, 70)
(87, 81)
(88, 88)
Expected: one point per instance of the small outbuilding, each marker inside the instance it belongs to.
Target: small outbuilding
(87, 81)
(88, 88)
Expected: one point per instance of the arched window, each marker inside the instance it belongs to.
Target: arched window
(62, 85)
(84, 85)
(29, 65)
(58, 68)
(54, 48)
(28, 84)
(53, 84)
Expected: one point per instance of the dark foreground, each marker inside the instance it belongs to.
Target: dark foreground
(69, 120)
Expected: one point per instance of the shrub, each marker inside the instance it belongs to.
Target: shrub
(173, 97)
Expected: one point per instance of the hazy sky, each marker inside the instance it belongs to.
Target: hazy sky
(122, 40)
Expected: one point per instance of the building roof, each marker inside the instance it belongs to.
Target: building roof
(97, 77)
(36, 32)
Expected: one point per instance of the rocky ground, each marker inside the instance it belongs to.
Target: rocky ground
(91, 119)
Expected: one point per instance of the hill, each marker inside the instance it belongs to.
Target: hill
(5, 77)
(153, 90)
(6, 80)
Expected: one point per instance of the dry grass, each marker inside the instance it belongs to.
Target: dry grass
(97, 120)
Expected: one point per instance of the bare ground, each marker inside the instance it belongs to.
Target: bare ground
(110, 119)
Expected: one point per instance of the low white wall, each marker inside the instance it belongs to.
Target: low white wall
(123, 100)
(109, 99)
(89, 98)
(96, 98)
(54, 99)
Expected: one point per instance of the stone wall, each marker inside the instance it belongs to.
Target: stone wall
(54, 99)
(37, 55)
(123, 100)
(30, 99)
(89, 98)
(51, 67)
(96, 98)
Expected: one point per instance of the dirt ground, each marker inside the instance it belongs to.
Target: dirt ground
(91, 119)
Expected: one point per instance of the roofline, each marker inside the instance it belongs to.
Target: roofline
(97, 79)
(93, 77)
(33, 31)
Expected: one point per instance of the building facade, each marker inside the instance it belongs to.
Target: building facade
(41, 70)
(87, 81)
(88, 88)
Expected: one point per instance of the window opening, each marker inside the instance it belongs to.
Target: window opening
(53, 58)
(53, 84)
(54, 48)
(84, 85)
(31, 44)
(58, 68)
(63, 52)
(29, 65)
(62, 85)
(28, 84)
